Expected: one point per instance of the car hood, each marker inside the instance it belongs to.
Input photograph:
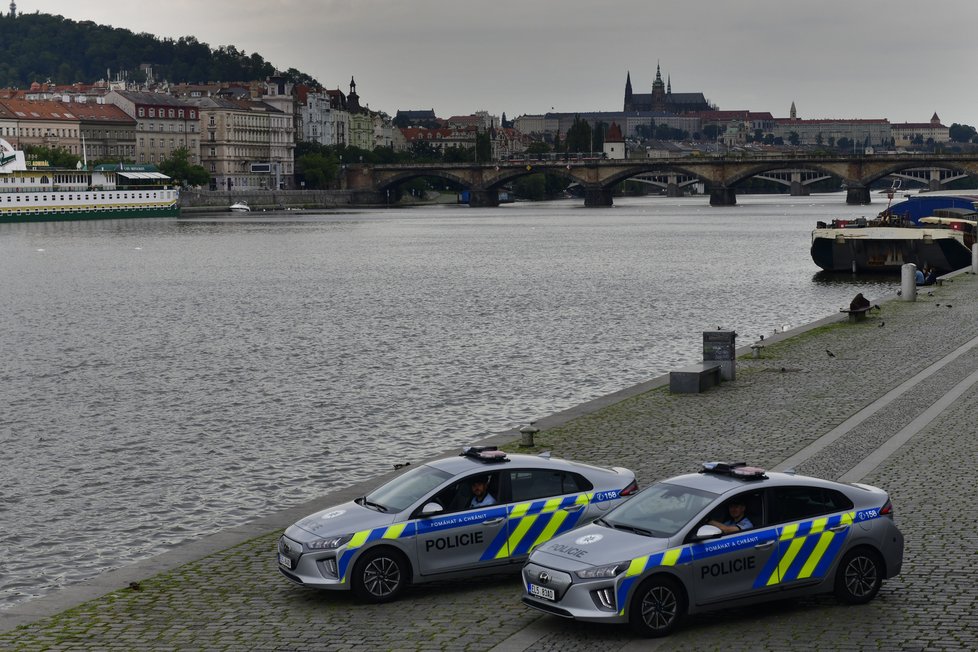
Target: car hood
(594, 545)
(337, 520)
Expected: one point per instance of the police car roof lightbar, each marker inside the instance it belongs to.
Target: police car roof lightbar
(485, 453)
(738, 469)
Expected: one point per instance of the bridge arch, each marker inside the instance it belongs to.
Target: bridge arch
(899, 166)
(388, 182)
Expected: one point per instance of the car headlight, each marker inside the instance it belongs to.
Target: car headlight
(600, 572)
(329, 543)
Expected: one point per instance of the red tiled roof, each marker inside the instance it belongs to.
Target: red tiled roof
(41, 109)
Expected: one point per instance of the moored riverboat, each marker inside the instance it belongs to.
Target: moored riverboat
(39, 193)
(925, 230)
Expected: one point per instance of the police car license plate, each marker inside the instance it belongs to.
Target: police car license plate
(542, 592)
(285, 561)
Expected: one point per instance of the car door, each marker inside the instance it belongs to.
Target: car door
(457, 537)
(545, 502)
(813, 526)
(728, 567)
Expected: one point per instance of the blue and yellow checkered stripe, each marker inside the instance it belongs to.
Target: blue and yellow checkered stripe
(397, 531)
(638, 567)
(806, 550)
(530, 524)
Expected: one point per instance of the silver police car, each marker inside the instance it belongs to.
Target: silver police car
(728, 535)
(481, 511)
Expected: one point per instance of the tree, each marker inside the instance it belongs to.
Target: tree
(962, 133)
(483, 147)
(316, 169)
(597, 142)
(55, 157)
(456, 154)
(179, 168)
(423, 152)
(665, 132)
(578, 137)
(532, 187)
(42, 46)
(794, 138)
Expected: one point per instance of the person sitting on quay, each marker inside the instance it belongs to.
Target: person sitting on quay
(859, 302)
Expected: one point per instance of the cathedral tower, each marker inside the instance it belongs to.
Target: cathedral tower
(658, 91)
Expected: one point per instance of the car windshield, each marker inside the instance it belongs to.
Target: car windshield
(405, 490)
(660, 510)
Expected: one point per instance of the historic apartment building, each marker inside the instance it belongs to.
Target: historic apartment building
(163, 124)
(242, 144)
(108, 134)
(40, 123)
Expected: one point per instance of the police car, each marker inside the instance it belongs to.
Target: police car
(429, 524)
(676, 548)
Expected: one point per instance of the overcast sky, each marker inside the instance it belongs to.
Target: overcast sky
(832, 58)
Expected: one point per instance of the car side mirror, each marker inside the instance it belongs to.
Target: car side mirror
(431, 509)
(708, 532)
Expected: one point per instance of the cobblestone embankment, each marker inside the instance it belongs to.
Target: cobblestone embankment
(881, 408)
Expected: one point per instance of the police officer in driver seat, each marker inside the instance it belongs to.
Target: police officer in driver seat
(736, 521)
(480, 492)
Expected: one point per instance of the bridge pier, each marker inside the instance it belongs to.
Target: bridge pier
(934, 184)
(723, 196)
(483, 198)
(598, 198)
(798, 189)
(672, 188)
(857, 195)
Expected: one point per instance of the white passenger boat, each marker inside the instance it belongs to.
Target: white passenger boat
(32, 191)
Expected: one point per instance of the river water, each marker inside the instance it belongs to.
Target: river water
(163, 379)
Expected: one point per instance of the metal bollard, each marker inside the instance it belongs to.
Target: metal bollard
(908, 282)
(526, 434)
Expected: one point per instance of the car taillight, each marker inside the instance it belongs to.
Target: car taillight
(630, 490)
(887, 509)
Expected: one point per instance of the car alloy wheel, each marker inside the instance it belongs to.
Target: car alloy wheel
(859, 576)
(380, 576)
(657, 607)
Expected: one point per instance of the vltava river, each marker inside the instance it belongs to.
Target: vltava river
(165, 379)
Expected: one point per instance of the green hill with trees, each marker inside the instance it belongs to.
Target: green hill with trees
(41, 47)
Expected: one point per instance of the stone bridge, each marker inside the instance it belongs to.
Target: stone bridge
(598, 177)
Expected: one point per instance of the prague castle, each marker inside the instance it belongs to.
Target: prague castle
(662, 99)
